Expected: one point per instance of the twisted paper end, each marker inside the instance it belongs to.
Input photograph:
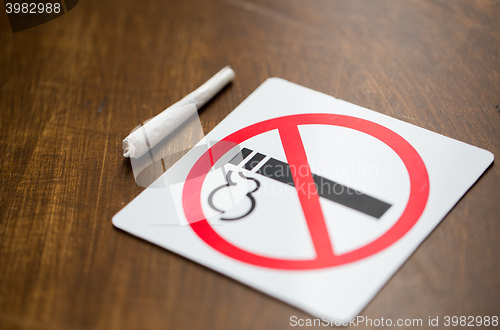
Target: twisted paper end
(129, 147)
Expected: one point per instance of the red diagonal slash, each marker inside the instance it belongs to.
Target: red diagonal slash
(296, 156)
(306, 189)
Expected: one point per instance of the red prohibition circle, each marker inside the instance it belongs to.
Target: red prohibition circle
(294, 150)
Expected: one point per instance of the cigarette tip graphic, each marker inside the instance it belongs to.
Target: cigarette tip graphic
(139, 141)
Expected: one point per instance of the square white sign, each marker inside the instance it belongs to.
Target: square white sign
(310, 199)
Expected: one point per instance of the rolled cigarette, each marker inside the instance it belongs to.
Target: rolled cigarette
(156, 129)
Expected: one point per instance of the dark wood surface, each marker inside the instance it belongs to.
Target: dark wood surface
(73, 88)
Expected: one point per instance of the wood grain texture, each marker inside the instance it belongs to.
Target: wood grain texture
(71, 90)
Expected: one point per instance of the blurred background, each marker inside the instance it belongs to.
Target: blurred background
(72, 88)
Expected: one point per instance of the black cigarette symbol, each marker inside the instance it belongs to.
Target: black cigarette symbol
(331, 190)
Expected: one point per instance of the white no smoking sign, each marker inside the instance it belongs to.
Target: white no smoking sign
(307, 198)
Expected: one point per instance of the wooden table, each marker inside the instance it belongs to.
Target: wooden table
(73, 88)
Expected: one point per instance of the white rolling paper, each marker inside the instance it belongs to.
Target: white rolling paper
(153, 131)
